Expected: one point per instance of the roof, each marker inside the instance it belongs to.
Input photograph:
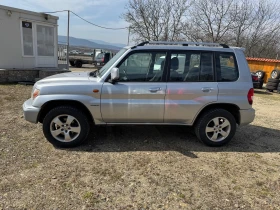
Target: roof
(179, 47)
(263, 60)
(26, 11)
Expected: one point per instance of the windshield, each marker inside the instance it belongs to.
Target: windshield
(104, 69)
(100, 55)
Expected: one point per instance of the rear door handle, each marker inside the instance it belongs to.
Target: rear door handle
(207, 89)
(153, 90)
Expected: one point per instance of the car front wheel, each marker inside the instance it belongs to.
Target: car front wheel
(216, 127)
(65, 126)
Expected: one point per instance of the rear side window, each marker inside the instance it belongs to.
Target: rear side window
(226, 67)
(191, 66)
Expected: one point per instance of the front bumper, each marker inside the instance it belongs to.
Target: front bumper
(247, 116)
(30, 112)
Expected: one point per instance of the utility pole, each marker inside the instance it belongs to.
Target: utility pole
(128, 35)
(68, 40)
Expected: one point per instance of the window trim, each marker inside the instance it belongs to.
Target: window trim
(163, 78)
(33, 39)
(195, 52)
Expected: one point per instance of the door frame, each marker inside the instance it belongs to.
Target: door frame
(34, 37)
(55, 44)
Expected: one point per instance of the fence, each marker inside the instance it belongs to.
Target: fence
(62, 55)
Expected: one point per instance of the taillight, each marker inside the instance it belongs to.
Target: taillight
(103, 60)
(255, 78)
(250, 96)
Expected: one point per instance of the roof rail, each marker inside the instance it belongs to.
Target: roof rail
(143, 43)
(183, 43)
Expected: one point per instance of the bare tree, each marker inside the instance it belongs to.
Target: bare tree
(252, 24)
(210, 20)
(245, 23)
(155, 19)
(263, 34)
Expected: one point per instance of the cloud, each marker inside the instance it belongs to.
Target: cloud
(75, 5)
(101, 12)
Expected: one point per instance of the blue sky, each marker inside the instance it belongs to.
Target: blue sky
(102, 12)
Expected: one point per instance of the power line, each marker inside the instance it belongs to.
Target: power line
(96, 24)
(56, 11)
(87, 20)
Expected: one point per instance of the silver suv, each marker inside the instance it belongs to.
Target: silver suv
(204, 85)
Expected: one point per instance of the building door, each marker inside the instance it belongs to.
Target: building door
(45, 46)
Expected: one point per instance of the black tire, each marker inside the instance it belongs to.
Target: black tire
(78, 64)
(205, 119)
(72, 63)
(273, 81)
(261, 84)
(271, 87)
(260, 74)
(275, 74)
(79, 116)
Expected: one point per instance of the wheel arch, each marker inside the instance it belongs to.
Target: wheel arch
(56, 103)
(232, 108)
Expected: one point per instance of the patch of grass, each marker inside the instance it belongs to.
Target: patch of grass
(91, 198)
(256, 155)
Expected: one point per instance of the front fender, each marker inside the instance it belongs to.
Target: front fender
(90, 102)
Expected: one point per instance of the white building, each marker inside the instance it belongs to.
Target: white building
(27, 39)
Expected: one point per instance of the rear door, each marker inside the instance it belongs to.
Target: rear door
(191, 85)
(138, 96)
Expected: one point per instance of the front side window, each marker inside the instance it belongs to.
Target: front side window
(192, 66)
(27, 38)
(142, 67)
(226, 67)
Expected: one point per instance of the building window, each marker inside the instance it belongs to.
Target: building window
(27, 38)
(45, 40)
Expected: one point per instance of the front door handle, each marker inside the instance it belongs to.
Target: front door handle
(207, 89)
(153, 90)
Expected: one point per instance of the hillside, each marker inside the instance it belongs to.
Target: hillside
(86, 43)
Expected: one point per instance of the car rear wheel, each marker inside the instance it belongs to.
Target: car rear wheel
(65, 126)
(215, 127)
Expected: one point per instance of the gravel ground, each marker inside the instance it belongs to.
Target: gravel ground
(139, 167)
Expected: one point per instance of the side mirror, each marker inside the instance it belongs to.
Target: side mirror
(115, 74)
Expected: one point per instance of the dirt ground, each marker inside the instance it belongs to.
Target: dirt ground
(139, 167)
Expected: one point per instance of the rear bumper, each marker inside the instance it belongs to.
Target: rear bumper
(30, 112)
(247, 116)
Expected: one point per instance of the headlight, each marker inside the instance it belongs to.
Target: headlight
(35, 93)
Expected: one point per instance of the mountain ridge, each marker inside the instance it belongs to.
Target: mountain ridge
(73, 41)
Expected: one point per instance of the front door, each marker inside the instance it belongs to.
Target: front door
(138, 96)
(191, 85)
(45, 38)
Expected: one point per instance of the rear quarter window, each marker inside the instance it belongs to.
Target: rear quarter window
(226, 67)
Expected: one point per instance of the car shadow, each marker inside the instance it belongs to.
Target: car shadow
(263, 91)
(182, 139)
